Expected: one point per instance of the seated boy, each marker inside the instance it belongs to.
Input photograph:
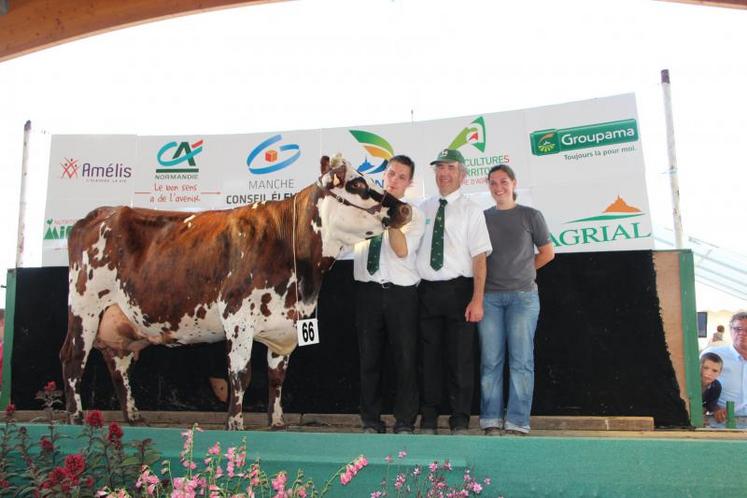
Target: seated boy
(710, 369)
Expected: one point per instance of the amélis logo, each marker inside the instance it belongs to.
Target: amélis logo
(552, 141)
(69, 168)
(473, 133)
(375, 145)
(174, 154)
(275, 158)
(614, 224)
(100, 173)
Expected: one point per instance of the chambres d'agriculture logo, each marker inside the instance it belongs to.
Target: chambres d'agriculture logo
(553, 141)
(178, 159)
(275, 157)
(475, 135)
(614, 224)
(105, 172)
(375, 145)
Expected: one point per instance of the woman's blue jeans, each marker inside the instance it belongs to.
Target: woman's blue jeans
(509, 322)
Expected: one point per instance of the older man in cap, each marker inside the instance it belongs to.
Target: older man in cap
(452, 265)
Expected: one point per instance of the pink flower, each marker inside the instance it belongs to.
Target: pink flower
(447, 465)
(476, 488)
(400, 481)
(377, 494)
(402, 454)
(214, 450)
(10, 410)
(301, 492)
(388, 459)
(486, 481)
(346, 478)
(433, 467)
(416, 471)
(278, 483)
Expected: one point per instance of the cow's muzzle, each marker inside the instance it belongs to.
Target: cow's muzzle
(399, 215)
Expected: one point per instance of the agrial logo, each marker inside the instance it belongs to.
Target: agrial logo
(376, 146)
(274, 158)
(552, 141)
(614, 224)
(183, 152)
(473, 133)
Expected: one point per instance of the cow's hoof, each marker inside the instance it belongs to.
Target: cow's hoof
(138, 422)
(279, 427)
(75, 418)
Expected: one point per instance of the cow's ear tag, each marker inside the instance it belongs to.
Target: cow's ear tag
(308, 332)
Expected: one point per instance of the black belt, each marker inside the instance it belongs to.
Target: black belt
(387, 285)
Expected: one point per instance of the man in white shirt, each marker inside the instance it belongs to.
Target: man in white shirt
(386, 305)
(451, 262)
(733, 377)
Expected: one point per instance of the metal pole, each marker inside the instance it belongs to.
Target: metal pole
(22, 202)
(673, 179)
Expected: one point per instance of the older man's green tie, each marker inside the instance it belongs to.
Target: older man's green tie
(437, 243)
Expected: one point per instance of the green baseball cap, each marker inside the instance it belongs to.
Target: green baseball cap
(449, 156)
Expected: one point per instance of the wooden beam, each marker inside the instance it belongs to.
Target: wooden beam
(733, 4)
(31, 25)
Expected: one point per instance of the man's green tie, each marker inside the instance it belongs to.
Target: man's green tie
(437, 243)
(374, 252)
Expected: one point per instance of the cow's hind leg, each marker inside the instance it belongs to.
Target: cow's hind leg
(276, 367)
(239, 349)
(119, 370)
(81, 332)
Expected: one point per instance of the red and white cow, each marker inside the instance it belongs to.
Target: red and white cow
(140, 277)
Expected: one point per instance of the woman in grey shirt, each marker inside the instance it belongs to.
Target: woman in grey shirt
(511, 305)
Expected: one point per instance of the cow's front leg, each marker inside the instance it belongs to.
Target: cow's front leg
(119, 370)
(239, 349)
(276, 367)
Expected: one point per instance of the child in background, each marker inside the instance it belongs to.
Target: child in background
(710, 369)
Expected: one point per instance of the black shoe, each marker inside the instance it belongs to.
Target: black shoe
(428, 431)
(459, 431)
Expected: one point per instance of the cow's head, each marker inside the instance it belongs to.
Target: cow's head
(353, 207)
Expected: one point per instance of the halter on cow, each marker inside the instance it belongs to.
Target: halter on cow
(140, 277)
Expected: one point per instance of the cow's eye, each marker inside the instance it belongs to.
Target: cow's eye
(359, 185)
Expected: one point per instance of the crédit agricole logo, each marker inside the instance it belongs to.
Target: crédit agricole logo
(615, 223)
(178, 160)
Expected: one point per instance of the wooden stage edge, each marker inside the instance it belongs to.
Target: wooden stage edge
(553, 426)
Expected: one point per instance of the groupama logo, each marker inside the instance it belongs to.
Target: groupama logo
(272, 160)
(473, 133)
(182, 152)
(552, 141)
(614, 224)
(376, 146)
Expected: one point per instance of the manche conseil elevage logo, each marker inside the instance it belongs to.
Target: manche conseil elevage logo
(274, 158)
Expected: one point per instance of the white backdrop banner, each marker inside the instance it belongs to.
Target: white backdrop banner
(580, 163)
